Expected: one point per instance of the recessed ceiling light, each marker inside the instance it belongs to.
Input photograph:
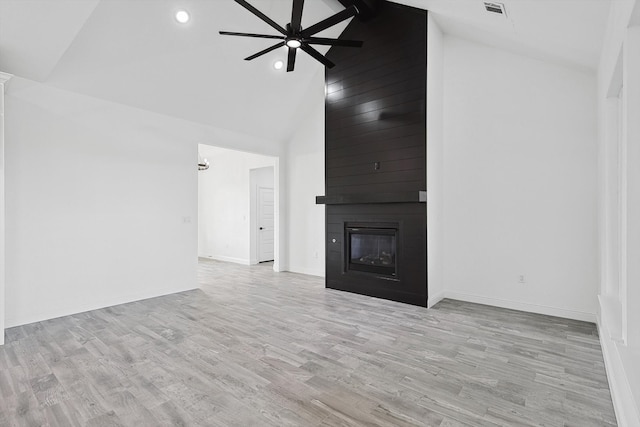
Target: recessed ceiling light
(294, 43)
(182, 16)
(278, 65)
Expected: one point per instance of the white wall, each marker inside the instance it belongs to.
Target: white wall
(224, 203)
(101, 201)
(100, 208)
(619, 207)
(520, 182)
(305, 181)
(435, 162)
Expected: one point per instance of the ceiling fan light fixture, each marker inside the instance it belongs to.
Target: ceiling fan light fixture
(182, 16)
(294, 43)
(294, 37)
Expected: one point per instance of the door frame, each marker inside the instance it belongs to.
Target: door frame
(257, 225)
(253, 216)
(4, 78)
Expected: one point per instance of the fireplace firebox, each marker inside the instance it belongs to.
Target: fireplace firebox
(371, 248)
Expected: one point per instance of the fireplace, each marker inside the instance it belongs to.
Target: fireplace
(371, 248)
(375, 158)
(377, 249)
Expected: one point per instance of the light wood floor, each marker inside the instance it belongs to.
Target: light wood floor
(256, 348)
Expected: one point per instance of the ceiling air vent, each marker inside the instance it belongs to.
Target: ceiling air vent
(495, 8)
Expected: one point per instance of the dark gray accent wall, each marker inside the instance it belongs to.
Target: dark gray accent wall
(375, 149)
(375, 105)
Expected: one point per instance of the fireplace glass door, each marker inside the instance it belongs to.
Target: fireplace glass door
(372, 250)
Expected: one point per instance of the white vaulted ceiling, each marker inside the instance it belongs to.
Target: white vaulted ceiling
(133, 52)
(34, 34)
(565, 31)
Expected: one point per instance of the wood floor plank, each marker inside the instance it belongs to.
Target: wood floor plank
(255, 347)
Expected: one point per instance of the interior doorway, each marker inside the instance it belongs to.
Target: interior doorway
(265, 223)
(237, 195)
(262, 210)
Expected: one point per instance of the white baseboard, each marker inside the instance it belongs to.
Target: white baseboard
(242, 261)
(308, 271)
(434, 299)
(523, 306)
(624, 403)
(55, 312)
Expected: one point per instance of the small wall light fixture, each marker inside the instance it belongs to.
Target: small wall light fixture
(203, 165)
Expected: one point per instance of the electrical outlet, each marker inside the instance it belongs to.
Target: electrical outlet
(521, 279)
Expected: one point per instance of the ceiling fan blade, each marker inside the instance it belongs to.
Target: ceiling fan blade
(332, 42)
(260, 36)
(291, 61)
(296, 14)
(262, 52)
(317, 56)
(261, 15)
(330, 21)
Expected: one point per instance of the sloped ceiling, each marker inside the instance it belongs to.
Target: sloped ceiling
(133, 52)
(34, 34)
(569, 32)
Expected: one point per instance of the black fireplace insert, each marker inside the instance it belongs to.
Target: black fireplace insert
(371, 249)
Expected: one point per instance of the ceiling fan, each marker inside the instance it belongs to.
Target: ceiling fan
(295, 37)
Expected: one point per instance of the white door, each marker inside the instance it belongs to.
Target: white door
(265, 224)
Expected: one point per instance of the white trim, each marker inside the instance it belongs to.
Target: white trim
(434, 299)
(242, 261)
(4, 78)
(56, 312)
(308, 271)
(610, 309)
(280, 267)
(627, 412)
(523, 306)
